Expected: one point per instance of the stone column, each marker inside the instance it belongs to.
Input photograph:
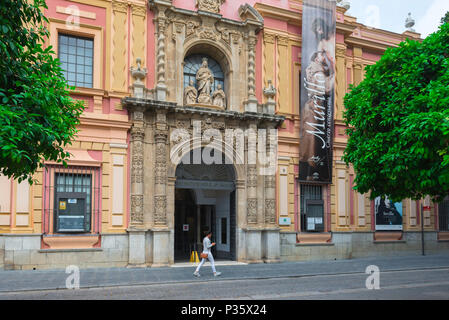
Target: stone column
(161, 87)
(271, 236)
(251, 105)
(136, 228)
(253, 231)
(241, 214)
(251, 176)
(161, 232)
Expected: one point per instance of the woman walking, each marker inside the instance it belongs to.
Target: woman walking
(207, 245)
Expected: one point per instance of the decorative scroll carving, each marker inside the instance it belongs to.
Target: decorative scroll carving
(225, 33)
(160, 206)
(270, 211)
(252, 40)
(340, 51)
(162, 25)
(191, 27)
(252, 211)
(139, 10)
(137, 209)
(213, 6)
(137, 133)
(235, 38)
(137, 162)
(119, 6)
(270, 181)
(160, 176)
(252, 176)
(207, 33)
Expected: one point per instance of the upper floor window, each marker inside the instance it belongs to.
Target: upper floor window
(76, 56)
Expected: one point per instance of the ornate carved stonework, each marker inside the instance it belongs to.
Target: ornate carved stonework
(160, 205)
(252, 176)
(207, 33)
(270, 211)
(270, 181)
(137, 209)
(137, 162)
(213, 6)
(160, 173)
(252, 210)
(191, 27)
(137, 133)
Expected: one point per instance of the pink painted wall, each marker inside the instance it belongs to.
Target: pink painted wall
(371, 56)
(100, 13)
(230, 8)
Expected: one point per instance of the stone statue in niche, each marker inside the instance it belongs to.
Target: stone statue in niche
(219, 97)
(205, 79)
(190, 93)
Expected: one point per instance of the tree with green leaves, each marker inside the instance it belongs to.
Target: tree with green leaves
(38, 118)
(398, 120)
(445, 19)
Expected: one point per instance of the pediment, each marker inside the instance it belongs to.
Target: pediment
(248, 13)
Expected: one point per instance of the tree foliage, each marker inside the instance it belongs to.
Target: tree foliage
(398, 119)
(37, 116)
(445, 19)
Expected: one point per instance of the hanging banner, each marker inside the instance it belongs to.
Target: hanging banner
(317, 91)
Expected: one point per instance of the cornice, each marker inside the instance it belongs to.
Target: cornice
(292, 17)
(152, 105)
(107, 123)
(369, 44)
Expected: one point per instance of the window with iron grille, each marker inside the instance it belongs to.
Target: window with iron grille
(312, 208)
(443, 215)
(71, 199)
(76, 56)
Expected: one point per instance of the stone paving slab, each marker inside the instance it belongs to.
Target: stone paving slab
(23, 280)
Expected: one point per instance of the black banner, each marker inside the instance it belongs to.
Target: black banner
(317, 91)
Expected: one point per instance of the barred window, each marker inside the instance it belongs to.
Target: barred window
(76, 56)
(71, 199)
(312, 208)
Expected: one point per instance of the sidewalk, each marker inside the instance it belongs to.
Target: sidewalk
(110, 277)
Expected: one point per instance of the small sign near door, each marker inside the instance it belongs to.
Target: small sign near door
(185, 227)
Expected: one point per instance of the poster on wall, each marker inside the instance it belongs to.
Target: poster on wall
(388, 214)
(317, 91)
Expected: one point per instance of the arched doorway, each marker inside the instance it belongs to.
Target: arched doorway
(205, 200)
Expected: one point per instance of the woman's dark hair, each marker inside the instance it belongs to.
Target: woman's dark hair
(319, 22)
(206, 233)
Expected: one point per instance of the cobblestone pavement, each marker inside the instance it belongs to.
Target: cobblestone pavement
(425, 284)
(36, 280)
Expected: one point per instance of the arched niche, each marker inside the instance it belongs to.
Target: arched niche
(219, 54)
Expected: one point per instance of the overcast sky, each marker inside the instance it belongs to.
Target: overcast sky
(391, 14)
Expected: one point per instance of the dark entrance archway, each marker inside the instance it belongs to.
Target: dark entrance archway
(205, 200)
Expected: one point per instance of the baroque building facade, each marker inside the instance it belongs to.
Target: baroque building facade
(169, 85)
